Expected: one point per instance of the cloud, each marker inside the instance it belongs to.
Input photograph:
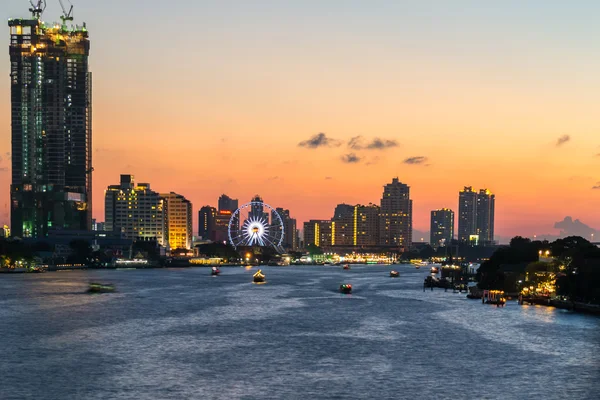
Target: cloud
(319, 140)
(358, 143)
(415, 160)
(570, 227)
(382, 144)
(598, 155)
(273, 178)
(562, 140)
(350, 158)
(328, 178)
(3, 169)
(597, 186)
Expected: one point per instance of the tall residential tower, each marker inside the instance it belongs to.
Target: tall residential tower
(442, 228)
(395, 215)
(476, 216)
(51, 106)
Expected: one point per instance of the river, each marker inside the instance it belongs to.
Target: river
(182, 334)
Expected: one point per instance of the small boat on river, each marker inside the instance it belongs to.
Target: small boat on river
(394, 274)
(258, 277)
(346, 288)
(101, 287)
(215, 271)
(346, 266)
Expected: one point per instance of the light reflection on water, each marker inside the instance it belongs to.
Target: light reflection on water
(183, 334)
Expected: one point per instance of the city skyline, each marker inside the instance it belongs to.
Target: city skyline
(440, 114)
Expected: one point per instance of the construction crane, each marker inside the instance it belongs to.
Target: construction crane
(37, 9)
(66, 16)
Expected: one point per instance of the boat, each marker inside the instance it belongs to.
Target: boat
(346, 266)
(495, 297)
(215, 271)
(346, 288)
(435, 270)
(101, 287)
(394, 274)
(37, 270)
(258, 277)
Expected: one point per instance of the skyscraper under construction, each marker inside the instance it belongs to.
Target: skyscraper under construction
(51, 108)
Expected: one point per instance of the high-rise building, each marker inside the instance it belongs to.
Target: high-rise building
(395, 215)
(366, 225)
(485, 216)
(136, 211)
(220, 232)
(343, 225)
(179, 221)
(467, 214)
(206, 222)
(442, 227)
(290, 237)
(51, 104)
(318, 233)
(476, 216)
(257, 209)
(226, 203)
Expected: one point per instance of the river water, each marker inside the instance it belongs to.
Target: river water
(182, 334)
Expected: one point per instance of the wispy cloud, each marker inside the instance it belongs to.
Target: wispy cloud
(597, 186)
(3, 169)
(319, 140)
(359, 143)
(562, 140)
(350, 158)
(328, 178)
(418, 160)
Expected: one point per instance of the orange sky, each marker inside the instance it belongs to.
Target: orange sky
(223, 108)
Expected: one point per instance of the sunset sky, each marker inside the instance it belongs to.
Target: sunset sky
(211, 97)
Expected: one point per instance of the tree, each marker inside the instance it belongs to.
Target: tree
(313, 249)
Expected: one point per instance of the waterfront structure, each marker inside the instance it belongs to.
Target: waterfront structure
(179, 221)
(486, 202)
(442, 227)
(51, 104)
(366, 225)
(476, 216)
(467, 214)
(136, 211)
(395, 216)
(206, 222)
(342, 225)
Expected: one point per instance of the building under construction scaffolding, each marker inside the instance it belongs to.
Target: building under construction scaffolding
(51, 92)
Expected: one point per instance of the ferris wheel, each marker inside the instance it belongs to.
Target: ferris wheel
(256, 224)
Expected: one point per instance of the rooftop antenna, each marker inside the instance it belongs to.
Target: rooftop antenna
(66, 16)
(37, 9)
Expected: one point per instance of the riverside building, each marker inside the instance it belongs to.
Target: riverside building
(136, 211)
(179, 221)
(51, 119)
(442, 227)
(395, 215)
